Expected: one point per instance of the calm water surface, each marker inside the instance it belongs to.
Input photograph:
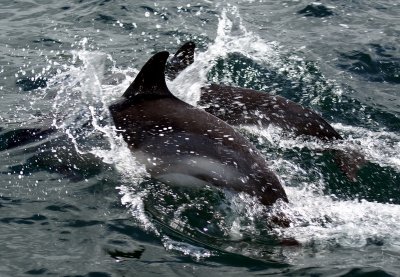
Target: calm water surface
(76, 203)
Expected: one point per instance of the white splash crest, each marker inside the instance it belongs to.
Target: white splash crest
(187, 84)
(233, 37)
(322, 220)
(381, 147)
(81, 98)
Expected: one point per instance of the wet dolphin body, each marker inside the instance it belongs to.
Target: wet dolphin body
(240, 106)
(180, 144)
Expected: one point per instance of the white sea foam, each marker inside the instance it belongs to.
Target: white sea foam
(381, 147)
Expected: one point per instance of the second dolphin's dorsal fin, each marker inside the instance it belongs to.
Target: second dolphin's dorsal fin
(185, 54)
(151, 78)
(182, 59)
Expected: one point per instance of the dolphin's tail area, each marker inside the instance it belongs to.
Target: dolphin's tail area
(182, 59)
(151, 79)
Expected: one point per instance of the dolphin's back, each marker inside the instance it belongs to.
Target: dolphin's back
(241, 106)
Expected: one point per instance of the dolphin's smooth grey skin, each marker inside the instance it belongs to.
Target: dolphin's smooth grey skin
(240, 106)
(183, 145)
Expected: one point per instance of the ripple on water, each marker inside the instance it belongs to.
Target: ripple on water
(377, 63)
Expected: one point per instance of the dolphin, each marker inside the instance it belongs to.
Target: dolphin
(182, 145)
(240, 106)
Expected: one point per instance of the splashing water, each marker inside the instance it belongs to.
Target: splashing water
(381, 147)
(233, 38)
(319, 221)
(81, 105)
(187, 85)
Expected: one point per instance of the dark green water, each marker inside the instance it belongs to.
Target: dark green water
(76, 203)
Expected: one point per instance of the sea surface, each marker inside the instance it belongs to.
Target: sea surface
(75, 202)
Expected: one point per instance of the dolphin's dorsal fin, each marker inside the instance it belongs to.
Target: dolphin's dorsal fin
(182, 59)
(185, 54)
(151, 78)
